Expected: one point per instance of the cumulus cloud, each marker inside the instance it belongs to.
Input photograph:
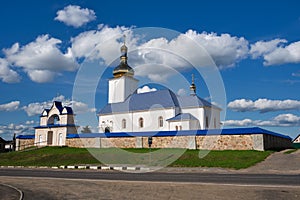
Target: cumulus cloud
(275, 52)
(36, 108)
(261, 48)
(75, 16)
(41, 59)
(282, 120)
(263, 105)
(145, 89)
(11, 106)
(7, 131)
(8, 75)
(103, 43)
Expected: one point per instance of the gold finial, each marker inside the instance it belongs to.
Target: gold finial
(193, 86)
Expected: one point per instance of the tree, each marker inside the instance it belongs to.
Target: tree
(86, 129)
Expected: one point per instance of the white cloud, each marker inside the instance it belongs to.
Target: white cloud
(103, 43)
(8, 130)
(275, 52)
(261, 48)
(145, 89)
(29, 122)
(8, 75)
(263, 105)
(75, 16)
(41, 59)
(160, 53)
(282, 120)
(181, 92)
(11, 106)
(36, 108)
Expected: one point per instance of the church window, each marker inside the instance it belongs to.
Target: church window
(123, 123)
(160, 121)
(206, 122)
(141, 122)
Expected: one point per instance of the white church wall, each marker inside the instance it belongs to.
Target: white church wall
(120, 88)
(150, 121)
(179, 125)
(197, 113)
(43, 121)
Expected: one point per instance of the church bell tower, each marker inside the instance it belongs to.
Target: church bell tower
(123, 84)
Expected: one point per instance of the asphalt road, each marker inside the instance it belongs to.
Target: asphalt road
(48, 184)
(244, 179)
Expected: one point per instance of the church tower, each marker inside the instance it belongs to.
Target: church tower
(123, 84)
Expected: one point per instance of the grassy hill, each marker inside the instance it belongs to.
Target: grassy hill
(56, 156)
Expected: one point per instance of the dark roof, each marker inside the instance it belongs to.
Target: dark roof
(58, 105)
(229, 131)
(182, 117)
(68, 109)
(47, 111)
(25, 137)
(143, 101)
(2, 140)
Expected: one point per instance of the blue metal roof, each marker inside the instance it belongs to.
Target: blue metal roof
(230, 131)
(25, 137)
(144, 101)
(194, 101)
(182, 117)
(152, 100)
(55, 125)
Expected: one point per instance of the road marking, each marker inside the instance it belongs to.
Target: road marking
(18, 190)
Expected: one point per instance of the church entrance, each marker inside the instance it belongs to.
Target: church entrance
(49, 137)
(107, 130)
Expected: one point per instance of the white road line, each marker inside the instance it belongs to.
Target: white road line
(18, 190)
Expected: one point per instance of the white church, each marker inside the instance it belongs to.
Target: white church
(162, 110)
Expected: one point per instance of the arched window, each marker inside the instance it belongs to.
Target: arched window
(54, 119)
(176, 127)
(160, 121)
(141, 122)
(123, 123)
(180, 128)
(40, 139)
(107, 130)
(60, 139)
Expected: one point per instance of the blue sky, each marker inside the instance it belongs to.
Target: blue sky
(255, 45)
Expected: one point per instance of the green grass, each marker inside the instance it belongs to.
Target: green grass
(224, 159)
(56, 156)
(290, 151)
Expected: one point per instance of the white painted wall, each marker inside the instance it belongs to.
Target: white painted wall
(151, 122)
(198, 113)
(120, 88)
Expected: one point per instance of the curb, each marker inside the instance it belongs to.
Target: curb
(118, 168)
